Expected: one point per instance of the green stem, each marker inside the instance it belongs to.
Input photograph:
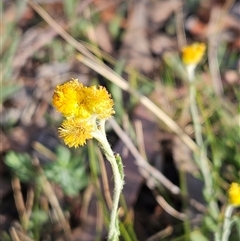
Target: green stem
(227, 223)
(118, 181)
(185, 209)
(202, 156)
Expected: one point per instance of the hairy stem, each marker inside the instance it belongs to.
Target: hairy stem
(118, 177)
(227, 223)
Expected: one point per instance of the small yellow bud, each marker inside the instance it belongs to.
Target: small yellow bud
(193, 54)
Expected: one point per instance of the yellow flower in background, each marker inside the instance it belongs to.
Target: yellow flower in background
(234, 193)
(193, 54)
(82, 106)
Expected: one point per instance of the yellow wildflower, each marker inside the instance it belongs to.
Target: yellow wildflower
(68, 99)
(75, 132)
(82, 106)
(100, 103)
(193, 54)
(234, 193)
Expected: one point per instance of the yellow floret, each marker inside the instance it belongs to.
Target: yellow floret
(66, 98)
(100, 102)
(75, 132)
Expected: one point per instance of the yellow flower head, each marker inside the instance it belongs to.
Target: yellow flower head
(81, 106)
(100, 103)
(68, 99)
(193, 54)
(75, 132)
(234, 193)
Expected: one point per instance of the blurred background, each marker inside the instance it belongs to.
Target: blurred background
(51, 192)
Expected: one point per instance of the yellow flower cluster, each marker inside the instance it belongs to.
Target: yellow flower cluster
(193, 54)
(82, 106)
(234, 193)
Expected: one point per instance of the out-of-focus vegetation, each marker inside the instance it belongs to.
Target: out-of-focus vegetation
(50, 192)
